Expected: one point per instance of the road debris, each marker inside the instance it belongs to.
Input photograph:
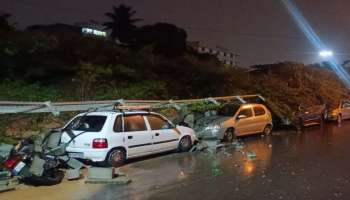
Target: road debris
(73, 174)
(238, 145)
(5, 150)
(99, 175)
(251, 155)
(38, 160)
(200, 146)
(8, 183)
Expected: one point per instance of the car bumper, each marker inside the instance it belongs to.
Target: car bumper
(95, 155)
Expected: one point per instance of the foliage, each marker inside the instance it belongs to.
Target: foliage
(122, 25)
(168, 39)
(4, 23)
(19, 91)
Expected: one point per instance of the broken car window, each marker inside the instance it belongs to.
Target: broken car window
(90, 123)
(134, 123)
(157, 123)
(228, 110)
(118, 124)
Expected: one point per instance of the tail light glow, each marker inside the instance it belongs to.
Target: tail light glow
(100, 143)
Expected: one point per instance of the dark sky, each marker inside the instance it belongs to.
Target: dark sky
(261, 31)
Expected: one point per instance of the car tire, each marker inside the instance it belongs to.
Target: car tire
(229, 136)
(267, 130)
(185, 144)
(116, 157)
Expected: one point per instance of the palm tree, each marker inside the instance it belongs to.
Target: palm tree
(122, 25)
(4, 23)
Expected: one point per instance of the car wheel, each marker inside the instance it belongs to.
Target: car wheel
(267, 130)
(229, 136)
(185, 144)
(116, 157)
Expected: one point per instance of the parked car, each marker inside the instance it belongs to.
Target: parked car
(112, 137)
(341, 112)
(232, 120)
(309, 116)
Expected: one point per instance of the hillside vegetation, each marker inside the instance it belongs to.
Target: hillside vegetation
(41, 66)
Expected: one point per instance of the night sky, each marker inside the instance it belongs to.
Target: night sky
(261, 31)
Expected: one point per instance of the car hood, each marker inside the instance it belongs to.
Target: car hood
(209, 121)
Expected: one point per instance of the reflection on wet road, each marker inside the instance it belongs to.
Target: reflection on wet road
(313, 164)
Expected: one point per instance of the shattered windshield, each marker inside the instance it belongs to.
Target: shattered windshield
(228, 110)
(90, 123)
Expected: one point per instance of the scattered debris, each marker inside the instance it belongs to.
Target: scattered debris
(38, 160)
(200, 146)
(251, 155)
(8, 183)
(98, 175)
(73, 174)
(5, 150)
(238, 145)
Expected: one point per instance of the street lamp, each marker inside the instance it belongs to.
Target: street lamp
(326, 54)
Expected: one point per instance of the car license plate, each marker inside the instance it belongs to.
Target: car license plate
(76, 155)
(18, 168)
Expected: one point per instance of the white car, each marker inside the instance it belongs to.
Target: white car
(112, 137)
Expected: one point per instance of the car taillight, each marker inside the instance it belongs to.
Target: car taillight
(99, 143)
(11, 163)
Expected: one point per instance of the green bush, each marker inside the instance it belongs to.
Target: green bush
(19, 91)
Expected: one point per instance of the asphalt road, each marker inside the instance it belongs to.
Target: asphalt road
(313, 164)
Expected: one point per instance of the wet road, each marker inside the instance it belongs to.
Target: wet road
(314, 164)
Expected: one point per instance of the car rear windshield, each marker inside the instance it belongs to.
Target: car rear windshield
(228, 110)
(90, 123)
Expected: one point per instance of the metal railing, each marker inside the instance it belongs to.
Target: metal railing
(7, 107)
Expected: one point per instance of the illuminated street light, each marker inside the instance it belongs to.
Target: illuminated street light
(326, 54)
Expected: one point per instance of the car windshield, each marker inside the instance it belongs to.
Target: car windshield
(90, 123)
(228, 110)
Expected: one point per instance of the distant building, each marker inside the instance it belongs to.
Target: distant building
(92, 28)
(223, 55)
(82, 28)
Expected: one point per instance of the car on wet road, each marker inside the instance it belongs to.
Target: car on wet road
(341, 111)
(233, 120)
(111, 137)
(310, 116)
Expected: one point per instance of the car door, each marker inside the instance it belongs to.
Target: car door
(137, 137)
(245, 125)
(165, 136)
(260, 118)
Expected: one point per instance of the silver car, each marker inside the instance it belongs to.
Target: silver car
(232, 120)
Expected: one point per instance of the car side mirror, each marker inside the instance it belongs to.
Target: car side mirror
(241, 117)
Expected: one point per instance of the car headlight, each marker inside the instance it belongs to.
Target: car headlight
(213, 128)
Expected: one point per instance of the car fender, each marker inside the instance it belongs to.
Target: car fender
(186, 131)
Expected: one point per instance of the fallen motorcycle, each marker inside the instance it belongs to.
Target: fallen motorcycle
(39, 160)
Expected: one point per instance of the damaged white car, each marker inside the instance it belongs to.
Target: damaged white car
(111, 137)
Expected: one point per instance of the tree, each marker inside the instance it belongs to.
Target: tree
(168, 39)
(122, 25)
(4, 23)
